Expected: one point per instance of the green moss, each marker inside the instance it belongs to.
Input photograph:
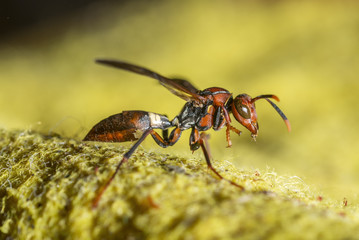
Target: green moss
(49, 182)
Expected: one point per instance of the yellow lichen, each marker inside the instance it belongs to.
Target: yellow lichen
(49, 182)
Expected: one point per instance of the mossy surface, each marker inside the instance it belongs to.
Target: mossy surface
(49, 182)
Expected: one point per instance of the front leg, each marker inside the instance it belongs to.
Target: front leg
(229, 126)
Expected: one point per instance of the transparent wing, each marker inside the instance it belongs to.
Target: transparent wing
(179, 87)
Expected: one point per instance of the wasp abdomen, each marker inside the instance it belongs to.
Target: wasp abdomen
(126, 126)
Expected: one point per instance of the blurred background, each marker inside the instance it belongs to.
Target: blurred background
(305, 52)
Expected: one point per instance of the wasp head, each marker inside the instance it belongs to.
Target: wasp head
(244, 110)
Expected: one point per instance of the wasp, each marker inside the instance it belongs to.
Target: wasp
(204, 109)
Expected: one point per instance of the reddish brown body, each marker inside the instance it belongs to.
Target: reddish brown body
(220, 96)
(119, 128)
(126, 126)
(205, 109)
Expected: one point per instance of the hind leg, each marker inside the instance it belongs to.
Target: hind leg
(124, 159)
(201, 140)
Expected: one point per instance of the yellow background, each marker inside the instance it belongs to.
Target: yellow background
(305, 52)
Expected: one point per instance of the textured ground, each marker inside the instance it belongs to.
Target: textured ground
(49, 182)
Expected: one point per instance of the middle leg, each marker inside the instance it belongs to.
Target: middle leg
(166, 141)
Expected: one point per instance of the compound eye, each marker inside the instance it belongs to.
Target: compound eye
(243, 110)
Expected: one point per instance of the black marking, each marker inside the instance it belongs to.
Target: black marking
(277, 109)
(219, 92)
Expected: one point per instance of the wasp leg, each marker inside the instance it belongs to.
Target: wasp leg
(229, 127)
(166, 141)
(125, 157)
(204, 145)
(194, 143)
